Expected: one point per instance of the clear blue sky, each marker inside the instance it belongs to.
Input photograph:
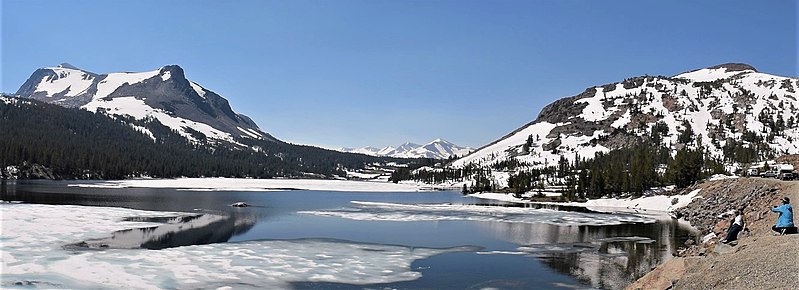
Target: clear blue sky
(356, 73)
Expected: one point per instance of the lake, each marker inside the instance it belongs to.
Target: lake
(345, 240)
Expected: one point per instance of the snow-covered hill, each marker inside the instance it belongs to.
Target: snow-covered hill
(725, 106)
(438, 149)
(163, 94)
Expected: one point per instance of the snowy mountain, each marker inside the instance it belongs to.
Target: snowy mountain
(725, 109)
(438, 149)
(163, 94)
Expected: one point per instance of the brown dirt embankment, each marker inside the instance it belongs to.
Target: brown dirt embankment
(759, 260)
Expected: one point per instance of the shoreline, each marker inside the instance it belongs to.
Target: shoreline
(244, 184)
(710, 264)
(656, 203)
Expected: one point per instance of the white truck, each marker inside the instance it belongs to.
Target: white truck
(786, 172)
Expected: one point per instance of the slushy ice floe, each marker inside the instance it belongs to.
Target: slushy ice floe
(34, 236)
(380, 211)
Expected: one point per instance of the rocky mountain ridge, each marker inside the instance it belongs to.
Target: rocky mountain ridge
(728, 110)
(164, 94)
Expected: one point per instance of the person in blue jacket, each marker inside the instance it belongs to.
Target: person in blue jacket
(785, 221)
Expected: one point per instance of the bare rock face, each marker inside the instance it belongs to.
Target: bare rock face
(734, 67)
(564, 109)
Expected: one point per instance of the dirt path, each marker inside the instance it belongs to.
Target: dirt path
(759, 261)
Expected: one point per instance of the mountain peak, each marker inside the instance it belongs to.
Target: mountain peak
(439, 149)
(164, 94)
(67, 65)
(734, 67)
(172, 70)
(717, 72)
(172, 67)
(441, 142)
(718, 104)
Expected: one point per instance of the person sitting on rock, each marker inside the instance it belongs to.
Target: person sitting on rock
(785, 221)
(736, 225)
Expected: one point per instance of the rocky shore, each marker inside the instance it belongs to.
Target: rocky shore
(759, 260)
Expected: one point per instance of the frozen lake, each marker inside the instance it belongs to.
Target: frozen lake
(89, 237)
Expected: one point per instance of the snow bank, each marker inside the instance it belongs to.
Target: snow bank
(33, 236)
(660, 203)
(656, 203)
(362, 175)
(497, 196)
(240, 184)
(716, 177)
(510, 198)
(379, 211)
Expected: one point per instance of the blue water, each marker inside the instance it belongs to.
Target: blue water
(274, 216)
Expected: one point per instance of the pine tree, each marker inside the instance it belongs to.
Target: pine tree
(687, 135)
(686, 167)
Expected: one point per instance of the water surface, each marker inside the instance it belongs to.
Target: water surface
(513, 248)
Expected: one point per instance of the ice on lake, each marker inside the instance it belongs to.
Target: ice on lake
(381, 211)
(35, 241)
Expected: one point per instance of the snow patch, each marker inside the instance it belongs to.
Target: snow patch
(143, 130)
(708, 75)
(716, 177)
(140, 110)
(594, 111)
(114, 80)
(197, 88)
(245, 131)
(166, 75)
(71, 81)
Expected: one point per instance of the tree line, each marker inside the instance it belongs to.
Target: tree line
(75, 143)
(630, 170)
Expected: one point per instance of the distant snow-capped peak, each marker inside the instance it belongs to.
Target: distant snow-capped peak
(438, 149)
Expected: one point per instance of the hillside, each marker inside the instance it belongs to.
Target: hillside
(638, 134)
(732, 111)
(43, 140)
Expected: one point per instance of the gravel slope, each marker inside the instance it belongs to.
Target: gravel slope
(759, 261)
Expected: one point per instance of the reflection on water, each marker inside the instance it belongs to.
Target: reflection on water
(607, 257)
(176, 231)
